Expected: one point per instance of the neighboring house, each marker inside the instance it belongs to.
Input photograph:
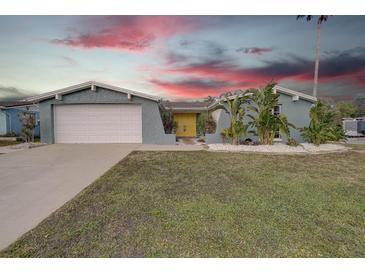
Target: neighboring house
(9, 117)
(94, 112)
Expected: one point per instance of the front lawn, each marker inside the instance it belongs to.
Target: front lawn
(357, 147)
(211, 204)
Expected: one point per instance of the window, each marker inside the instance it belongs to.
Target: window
(276, 111)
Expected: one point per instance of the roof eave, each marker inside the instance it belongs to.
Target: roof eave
(81, 86)
(296, 93)
(187, 108)
(283, 90)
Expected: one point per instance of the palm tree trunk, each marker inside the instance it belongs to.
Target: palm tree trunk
(316, 68)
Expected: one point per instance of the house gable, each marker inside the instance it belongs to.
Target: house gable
(92, 86)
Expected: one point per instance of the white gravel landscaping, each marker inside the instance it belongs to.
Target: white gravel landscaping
(279, 148)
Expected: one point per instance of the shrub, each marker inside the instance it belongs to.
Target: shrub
(248, 142)
(226, 134)
(202, 123)
(322, 126)
(211, 125)
(206, 124)
(168, 121)
(9, 134)
(292, 142)
(28, 120)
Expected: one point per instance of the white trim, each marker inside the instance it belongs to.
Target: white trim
(91, 84)
(283, 90)
(188, 108)
(295, 93)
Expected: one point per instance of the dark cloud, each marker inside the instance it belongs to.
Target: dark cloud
(12, 93)
(344, 66)
(174, 57)
(67, 62)
(213, 48)
(203, 47)
(348, 64)
(254, 50)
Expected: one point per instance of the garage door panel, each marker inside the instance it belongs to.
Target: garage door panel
(96, 123)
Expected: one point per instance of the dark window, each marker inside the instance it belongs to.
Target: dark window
(276, 111)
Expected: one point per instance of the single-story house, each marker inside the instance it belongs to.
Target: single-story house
(94, 112)
(9, 117)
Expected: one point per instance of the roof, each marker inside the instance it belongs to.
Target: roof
(7, 104)
(199, 106)
(89, 84)
(173, 105)
(187, 105)
(291, 92)
(282, 90)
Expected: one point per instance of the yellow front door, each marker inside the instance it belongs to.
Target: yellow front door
(186, 124)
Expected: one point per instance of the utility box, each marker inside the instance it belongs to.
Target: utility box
(361, 127)
(354, 127)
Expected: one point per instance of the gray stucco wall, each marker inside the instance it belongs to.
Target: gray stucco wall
(222, 120)
(152, 128)
(297, 113)
(2, 122)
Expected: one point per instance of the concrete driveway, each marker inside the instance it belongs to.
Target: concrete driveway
(35, 182)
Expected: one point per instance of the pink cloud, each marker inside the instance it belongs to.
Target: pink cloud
(227, 72)
(348, 65)
(130, 33)
(192, 87)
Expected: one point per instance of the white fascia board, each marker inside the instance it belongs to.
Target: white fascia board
(187, 108)
(132, 92)
(284, 91)
(81, 86)
(295, 93)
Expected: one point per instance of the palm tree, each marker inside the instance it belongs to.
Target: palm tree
(322, 126)
(263, 120)
(236, 113)
(321, 19)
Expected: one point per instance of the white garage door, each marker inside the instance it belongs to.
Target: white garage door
(98, 123)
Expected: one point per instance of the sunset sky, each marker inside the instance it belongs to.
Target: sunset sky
(179, 57)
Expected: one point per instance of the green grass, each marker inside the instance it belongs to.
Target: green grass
(206, 204)
(357, 147)
(4, 143)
